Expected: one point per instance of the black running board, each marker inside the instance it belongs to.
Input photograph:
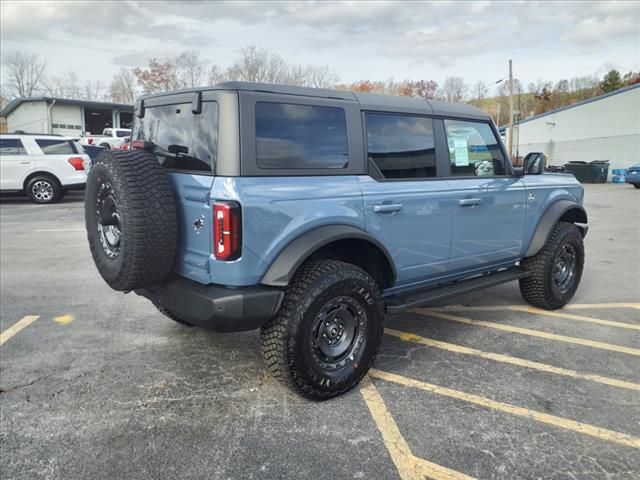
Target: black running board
(400, 303)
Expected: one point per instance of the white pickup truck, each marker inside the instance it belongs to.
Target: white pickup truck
(110, 138)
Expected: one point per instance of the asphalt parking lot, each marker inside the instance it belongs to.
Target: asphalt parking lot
(97, 384)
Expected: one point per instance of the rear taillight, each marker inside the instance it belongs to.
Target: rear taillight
(227, 230)
(89, 141)
(77, 163)
(142, 144)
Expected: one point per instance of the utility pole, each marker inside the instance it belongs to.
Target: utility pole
(510, 110)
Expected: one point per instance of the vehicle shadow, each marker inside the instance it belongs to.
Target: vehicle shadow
(75, 196)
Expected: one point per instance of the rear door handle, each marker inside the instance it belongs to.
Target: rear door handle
(387, 207)
(469, 202)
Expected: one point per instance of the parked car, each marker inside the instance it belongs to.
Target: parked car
(43, 166)
(632, 175)
(310, 213)
(110, 138)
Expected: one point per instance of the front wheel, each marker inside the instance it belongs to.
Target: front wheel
(555, 271)
(327, 333)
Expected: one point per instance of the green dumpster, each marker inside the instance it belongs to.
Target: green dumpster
(592, 172)
(599, 170)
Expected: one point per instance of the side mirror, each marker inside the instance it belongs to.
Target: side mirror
(534, 163)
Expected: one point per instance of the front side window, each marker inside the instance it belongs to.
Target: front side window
(56, 146)
(11, 146)
(182, 140)
(290, 136)
(401, 146)
(474, 150)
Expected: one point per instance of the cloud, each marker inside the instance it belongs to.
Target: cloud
(443, 45)
(593, 31)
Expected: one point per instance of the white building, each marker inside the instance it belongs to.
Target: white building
(600, 128)
(64, 116)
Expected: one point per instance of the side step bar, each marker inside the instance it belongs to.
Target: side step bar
(400, 303)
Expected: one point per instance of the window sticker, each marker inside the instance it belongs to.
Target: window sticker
(461, 151)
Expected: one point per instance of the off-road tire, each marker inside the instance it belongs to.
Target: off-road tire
(53, 184)
(173, 316)
(539, 288)
(147, 225)
(287, 339)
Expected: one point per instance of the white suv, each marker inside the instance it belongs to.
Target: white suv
(42, 166)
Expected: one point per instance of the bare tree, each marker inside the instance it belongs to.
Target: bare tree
(215, 75)
(319, 77)
(24, 72)
(191, 68)
(479, 90)
(66, 85)
(94, 91)
(123, 87)
(453, 89)
(259, 65)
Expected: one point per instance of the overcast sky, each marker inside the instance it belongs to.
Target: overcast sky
(359, 40)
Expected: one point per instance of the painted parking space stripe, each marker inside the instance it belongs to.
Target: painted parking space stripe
(539, 311)
(580, 318)
(532, 333)
(583, 306)
(578, 427)
(520, 362)
(16, 327)
(64, 319)
(409, 466)
(574, 306)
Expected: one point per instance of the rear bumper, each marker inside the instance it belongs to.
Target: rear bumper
(216, 307)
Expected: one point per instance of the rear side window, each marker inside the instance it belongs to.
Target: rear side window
(401, 146)
(474, 150)
(11, 146)
(291, 136)
(183, 140)
(56, 146)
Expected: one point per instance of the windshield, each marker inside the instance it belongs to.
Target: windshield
(183, 140)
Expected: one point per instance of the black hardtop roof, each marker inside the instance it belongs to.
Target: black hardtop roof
(367, 101)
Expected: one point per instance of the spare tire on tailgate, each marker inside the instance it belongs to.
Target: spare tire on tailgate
(130, 216)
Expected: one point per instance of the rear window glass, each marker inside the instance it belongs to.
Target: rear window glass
(401, 146)
(56, 146)
(290, 136)
(11, 146)
(183, 140)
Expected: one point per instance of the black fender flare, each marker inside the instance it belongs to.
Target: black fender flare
(548, 220)
(285, 265)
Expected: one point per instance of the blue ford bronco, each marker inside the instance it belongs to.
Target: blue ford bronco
(311, 213)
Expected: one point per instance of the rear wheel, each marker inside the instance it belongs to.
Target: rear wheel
(556, 270)
(327, 333)
(44, 189)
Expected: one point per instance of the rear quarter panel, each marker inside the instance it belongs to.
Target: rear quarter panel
(275, 211)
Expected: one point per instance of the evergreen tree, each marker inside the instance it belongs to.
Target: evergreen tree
(611, 81)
